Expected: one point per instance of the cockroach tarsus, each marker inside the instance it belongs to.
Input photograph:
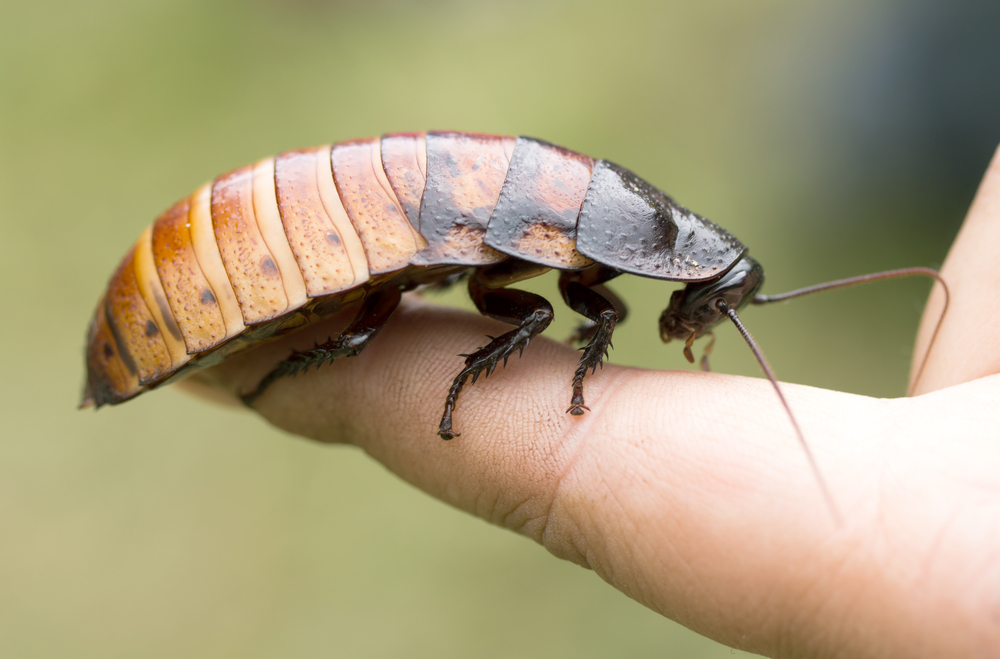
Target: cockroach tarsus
(265, 249)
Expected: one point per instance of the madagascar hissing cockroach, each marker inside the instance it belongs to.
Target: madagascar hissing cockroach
(270, 247)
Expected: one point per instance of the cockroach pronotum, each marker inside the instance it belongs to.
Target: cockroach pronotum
(270, 247)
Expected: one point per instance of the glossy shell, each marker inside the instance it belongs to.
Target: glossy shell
(283, 242)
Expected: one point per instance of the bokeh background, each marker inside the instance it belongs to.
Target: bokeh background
(833, 137)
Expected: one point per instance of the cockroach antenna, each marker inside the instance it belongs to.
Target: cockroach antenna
(864, 279)
(766, 367)
(759, 299)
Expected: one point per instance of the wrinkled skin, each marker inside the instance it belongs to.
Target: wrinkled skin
(708, 513)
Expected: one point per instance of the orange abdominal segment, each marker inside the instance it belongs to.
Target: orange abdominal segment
(193, 302)
(387, 235)
(111, 373)
(249, 264)
(325, 250)
(265, 209)
(206, 250)
(138, 338)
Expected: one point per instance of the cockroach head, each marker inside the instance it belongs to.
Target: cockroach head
(695, 308)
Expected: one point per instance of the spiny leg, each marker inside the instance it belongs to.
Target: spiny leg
(531, 313)
(588, 299)
(594, 278)
(586, 330)
(375, 312)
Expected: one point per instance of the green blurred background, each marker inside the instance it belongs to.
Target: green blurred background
(834, 138)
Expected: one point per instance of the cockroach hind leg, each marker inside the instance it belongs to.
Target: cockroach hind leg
(375, 312)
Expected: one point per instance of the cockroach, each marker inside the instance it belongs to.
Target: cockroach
(267, 248)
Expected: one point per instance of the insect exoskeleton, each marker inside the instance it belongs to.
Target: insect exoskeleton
(267, 248)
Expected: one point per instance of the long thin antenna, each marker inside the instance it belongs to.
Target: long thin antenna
(729, 311)
(864, 279)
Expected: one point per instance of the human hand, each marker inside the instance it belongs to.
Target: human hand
(717, 524)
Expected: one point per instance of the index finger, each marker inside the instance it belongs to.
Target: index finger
(682, 489)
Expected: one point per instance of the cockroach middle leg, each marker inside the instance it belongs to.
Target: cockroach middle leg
(375, 312)
(531, 313)
(584, 293)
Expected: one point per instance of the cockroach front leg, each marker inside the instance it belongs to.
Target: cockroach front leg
(531, 313)
(375, 312)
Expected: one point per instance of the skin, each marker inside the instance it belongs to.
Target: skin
(688, 491)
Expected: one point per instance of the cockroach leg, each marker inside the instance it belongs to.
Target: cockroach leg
(604, 315)
(597, 303)
(593, 277)
(585, 331)
(531, 313)
(375, 312)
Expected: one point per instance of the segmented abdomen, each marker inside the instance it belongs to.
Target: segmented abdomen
(255, 245)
